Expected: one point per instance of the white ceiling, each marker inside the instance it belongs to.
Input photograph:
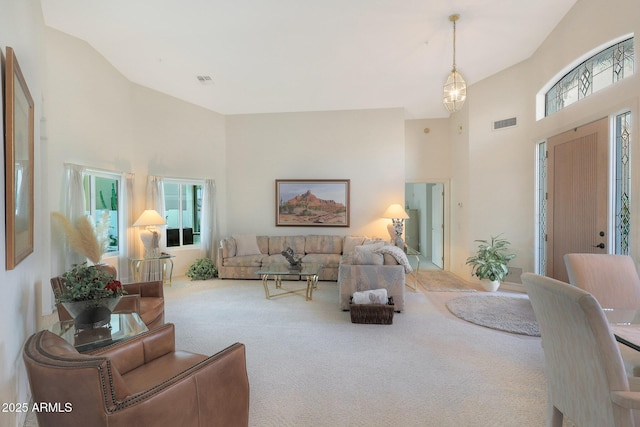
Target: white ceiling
(302, 55)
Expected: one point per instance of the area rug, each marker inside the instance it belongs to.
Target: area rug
(440, 281)
(504, 313)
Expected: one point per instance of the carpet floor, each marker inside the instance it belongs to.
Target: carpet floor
(308, 365)
(439, 281)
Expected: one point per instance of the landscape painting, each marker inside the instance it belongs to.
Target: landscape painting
(314, 202)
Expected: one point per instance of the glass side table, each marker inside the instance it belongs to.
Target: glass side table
(412, 252)
(153, 268)
(122, 326)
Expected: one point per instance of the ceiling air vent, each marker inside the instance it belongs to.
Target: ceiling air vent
(505, 123)
(205, 80)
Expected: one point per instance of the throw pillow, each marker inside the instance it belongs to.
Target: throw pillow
(350, 243)
(368, 255)
(367, 258)
(246, 245)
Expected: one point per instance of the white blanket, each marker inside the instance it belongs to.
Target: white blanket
(398, 254)
(374, 296)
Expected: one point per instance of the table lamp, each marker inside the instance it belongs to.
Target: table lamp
(397, 215)
(150, 237)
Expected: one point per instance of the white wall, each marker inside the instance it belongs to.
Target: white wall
(366, 147)
(97, 118)
(429, 153)
(494, 171)
(21, 29)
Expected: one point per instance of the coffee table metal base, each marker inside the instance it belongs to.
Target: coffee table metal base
(312, 282)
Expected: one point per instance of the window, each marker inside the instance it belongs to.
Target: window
(101, 192)
(601, 70)
(183, 204)
(622, 182)
(542, 207)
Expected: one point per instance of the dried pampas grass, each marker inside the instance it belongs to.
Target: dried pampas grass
(84, 237)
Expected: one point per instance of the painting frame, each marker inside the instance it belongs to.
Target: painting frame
(19, 164)
(329, 198)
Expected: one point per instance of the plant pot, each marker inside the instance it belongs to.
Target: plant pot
(490, 285)
(91, 314)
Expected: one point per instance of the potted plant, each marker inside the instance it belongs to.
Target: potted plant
(202, 269)
(490, 262)
(90, 294)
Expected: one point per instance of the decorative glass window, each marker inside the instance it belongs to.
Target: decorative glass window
(101, 190)
(183, 204)
(542, 207)
(623, 182)
(601, 70)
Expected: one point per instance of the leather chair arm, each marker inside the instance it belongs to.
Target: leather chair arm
(215, 390)
(128, 304)
(132, 353)
(145, 289)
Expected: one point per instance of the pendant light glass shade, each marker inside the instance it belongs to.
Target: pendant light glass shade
(455, 92)
(455, 88)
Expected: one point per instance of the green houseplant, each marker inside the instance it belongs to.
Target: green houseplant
(89, 294)
(489, 264)
(202, 269)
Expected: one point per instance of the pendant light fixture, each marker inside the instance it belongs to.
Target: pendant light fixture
(455, 88)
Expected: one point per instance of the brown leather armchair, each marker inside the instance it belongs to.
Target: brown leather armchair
(144, 298)
(141, 382)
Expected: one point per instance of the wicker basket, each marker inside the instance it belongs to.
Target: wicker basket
(379, 314)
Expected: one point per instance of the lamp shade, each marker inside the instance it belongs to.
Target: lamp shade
(149, 217)
(395, 211)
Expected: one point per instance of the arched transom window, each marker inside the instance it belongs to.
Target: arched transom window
(601, 70)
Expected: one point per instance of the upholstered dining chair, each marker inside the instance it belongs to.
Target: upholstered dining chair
(143, 382)
(586, 380)
(613, 280)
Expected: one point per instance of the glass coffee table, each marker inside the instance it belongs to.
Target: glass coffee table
(277, 272)
(122, 326)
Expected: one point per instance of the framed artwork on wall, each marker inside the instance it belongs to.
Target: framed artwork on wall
(312, 202)
(19, 131)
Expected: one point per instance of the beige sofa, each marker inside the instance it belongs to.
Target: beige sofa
(356, 263)
(241, 256)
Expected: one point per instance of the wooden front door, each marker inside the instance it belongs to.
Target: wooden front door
(577, 194)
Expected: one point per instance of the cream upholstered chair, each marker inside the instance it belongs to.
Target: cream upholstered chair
(586, 380)
(613, 280)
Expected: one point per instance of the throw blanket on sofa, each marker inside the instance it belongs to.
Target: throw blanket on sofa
(398, 254)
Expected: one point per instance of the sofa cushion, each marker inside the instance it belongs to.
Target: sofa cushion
(327, 260)
(316, 244)
(350, 243)
(245, 261)
(228, 246)
(277, 244)
(246, 245)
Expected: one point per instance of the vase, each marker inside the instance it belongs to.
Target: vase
(92, 313)
(490, 285)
